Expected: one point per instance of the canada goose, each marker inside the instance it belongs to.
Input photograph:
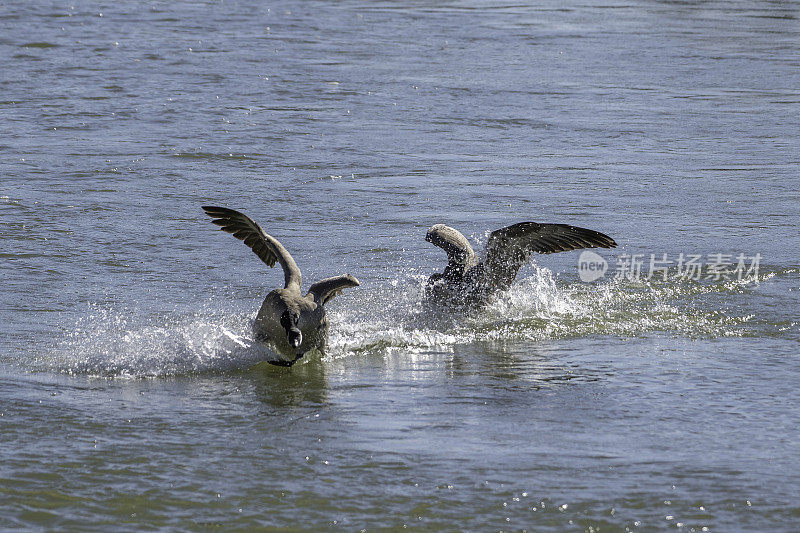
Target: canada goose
(291, 323)
(467, 281)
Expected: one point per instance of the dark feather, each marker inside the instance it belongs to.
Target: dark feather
(266, 247)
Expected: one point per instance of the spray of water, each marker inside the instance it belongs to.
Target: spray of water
(391, 318)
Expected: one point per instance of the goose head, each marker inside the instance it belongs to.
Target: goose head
(289, 322)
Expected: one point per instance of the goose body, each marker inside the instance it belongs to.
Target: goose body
(469, 282)
(290, 322)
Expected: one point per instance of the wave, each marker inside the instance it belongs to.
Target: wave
(391, 318)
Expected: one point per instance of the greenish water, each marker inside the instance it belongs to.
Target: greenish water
(132, 396)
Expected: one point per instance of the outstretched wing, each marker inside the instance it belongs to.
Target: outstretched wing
(509, 248)
(459, 253)
(326, 289)
(265, 246)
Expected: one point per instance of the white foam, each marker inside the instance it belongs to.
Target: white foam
(113, 343)
(388, 319)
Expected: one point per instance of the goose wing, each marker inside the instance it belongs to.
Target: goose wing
(324, 290)
(265, 246)
(510, 247)
(459, 253)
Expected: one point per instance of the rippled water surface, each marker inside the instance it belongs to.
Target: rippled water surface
(132, 395)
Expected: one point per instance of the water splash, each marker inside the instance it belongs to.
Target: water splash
(391, 318)
(538, 307)
(112, 343)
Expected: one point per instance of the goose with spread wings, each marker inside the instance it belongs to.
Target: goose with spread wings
(468, 281)
(291, 323)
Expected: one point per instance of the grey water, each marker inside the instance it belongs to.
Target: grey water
(133, 397)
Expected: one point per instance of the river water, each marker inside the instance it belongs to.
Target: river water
(131, 394)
